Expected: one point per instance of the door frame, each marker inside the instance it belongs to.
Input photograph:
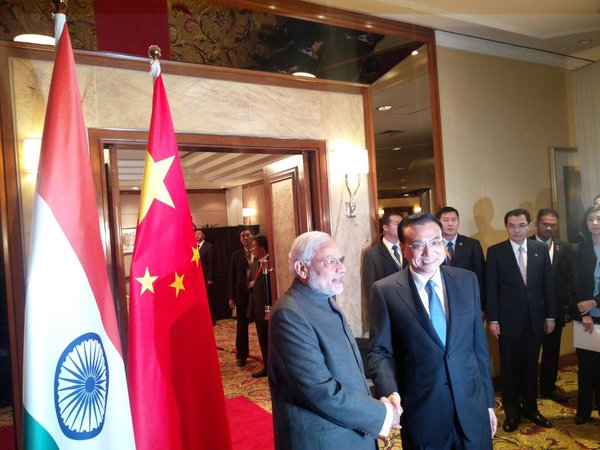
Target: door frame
(315, 151)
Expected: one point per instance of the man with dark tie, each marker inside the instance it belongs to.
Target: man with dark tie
(207, 260)
(385, 257)
(259, 291)
(521, 308)
(559, 251)
(462, 251)
(239, 269)
(428, 344)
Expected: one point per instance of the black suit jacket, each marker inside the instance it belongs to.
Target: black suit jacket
(207, 258)
(238, 280)
(258, 294)
(378, 264)
(584, 264)
(562, 274)
(509, 301)
(436, 383)
(468, 255)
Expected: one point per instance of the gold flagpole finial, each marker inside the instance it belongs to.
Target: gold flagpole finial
(60, 6)
(154, 52)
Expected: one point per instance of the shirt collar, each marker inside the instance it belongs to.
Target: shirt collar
(516, 246)
(421, 280)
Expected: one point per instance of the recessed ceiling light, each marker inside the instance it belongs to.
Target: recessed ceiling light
(384, 108)
(405, 195)
(395, 149)
(35, 39)
(399, 168)
(585, 42)
(135, 188)
(414, 52)
(304, 74)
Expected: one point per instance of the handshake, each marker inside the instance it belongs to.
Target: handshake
(393, 400)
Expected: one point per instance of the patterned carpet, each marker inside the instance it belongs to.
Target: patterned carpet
(564, 435)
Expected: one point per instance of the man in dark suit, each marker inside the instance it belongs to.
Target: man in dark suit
(428, 344)
(239, 268)
(462, 251)
(259, 290)
(560, 257)
(207, 259)
(385, 257)
(521, 308)
(319, 393)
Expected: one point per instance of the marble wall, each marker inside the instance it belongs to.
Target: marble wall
(120, 98)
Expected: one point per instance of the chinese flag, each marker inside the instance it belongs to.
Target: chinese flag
(177, 399)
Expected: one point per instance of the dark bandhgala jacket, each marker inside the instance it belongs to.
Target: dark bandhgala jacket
(319, 392)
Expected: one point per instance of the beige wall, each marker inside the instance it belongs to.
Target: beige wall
(499, 116)
(254, 197)
(119, 98)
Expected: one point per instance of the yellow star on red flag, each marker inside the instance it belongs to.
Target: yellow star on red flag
(196, 255)
(147, 282)
(154, 186)
(178, 284)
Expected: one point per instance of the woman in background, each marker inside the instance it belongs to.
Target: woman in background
(587, 312)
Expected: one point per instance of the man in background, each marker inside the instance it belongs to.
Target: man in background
(429, 345)
(259, 290)
(546, 227)
(385, 257)
(319, 393)
(462, 251)
(239, 269)
(207, 259)
(521, 308)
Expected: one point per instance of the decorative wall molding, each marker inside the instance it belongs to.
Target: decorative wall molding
(500, 49)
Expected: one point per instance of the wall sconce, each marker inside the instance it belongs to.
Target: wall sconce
(247, 214)
(380, 212)
(416, 209)
(31, 154)
(351, 163)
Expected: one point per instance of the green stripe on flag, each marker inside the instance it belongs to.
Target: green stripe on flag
(35, 436)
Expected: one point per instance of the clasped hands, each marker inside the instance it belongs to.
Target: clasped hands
(585, 307)
(394, 401)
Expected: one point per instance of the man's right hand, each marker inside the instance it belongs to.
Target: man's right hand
(231, 303)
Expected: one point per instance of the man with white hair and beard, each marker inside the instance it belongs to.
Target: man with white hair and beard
(319, 392)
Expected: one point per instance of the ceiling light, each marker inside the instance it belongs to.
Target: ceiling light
(399, 168)
(384, 108)
(135, 188)
(585, 42)
(406, 195)
(414, 52)
(35, 39)
(395, 149)
(304, 74)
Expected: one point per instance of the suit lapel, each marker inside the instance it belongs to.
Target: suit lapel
(511, 261)
(407, 292)
(386, 255)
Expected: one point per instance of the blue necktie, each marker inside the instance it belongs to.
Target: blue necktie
(397, 256)
(438, 318)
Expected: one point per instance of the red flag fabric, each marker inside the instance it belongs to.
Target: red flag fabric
(176, 393)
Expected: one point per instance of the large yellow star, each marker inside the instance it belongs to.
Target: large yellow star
(147, 282)
(154, 184)
(178, 284)
(196, 255)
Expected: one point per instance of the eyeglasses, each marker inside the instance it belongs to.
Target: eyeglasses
(419, 246)
(331, 261)
(592, 219)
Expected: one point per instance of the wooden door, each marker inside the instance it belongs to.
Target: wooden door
(289, 213)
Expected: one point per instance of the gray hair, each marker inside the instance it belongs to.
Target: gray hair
(304, 248)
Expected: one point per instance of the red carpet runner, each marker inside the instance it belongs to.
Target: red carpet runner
(251, 426)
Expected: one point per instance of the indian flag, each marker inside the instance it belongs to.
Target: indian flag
(75, 391)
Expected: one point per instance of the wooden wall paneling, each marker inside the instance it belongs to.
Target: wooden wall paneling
(372, 176)
(436, 123)
(12, 239)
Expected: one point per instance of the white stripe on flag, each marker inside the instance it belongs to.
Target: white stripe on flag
(60, 308)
